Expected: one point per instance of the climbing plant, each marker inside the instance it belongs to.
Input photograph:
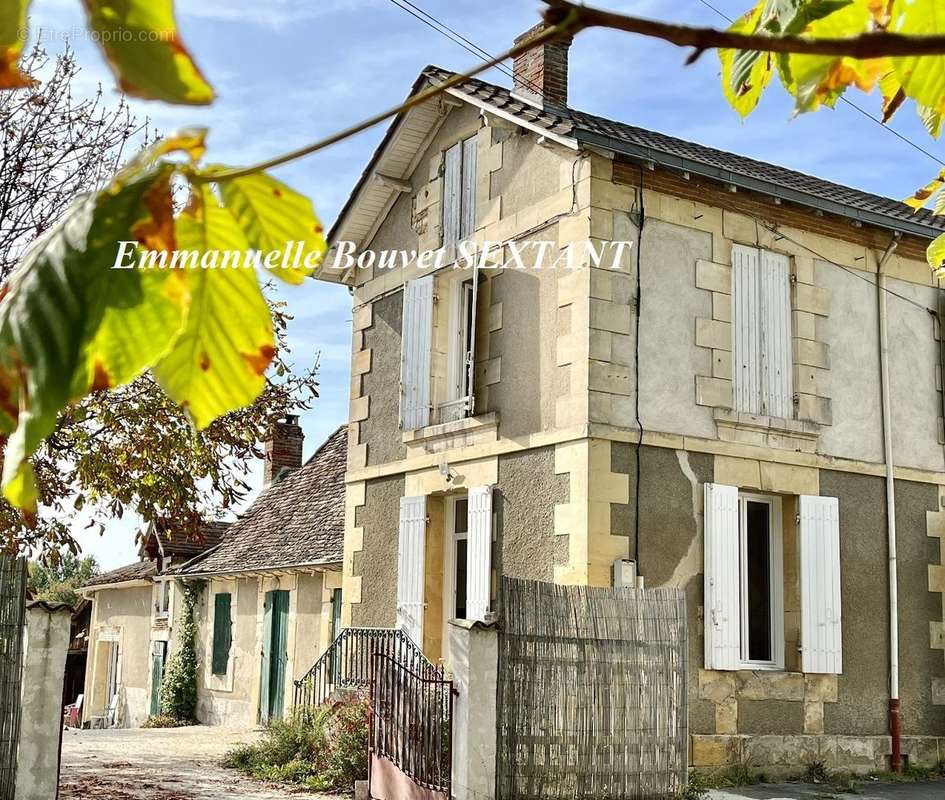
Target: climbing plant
(179, 686)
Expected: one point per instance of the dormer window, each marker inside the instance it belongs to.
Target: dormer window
(459, 191)
(162, 604)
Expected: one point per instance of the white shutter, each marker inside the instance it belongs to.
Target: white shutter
(746, 330)
(821, 634)
(417, 331)
(452, 179)
(777, 366)
(722, 584)
(467, 223)
(479, 552)
(471, 352)
(411, 555)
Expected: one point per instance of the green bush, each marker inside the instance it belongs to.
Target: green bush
(179, 686)
(323, 749)
(164, 721)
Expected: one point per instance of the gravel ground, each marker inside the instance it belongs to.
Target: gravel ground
(925, 790)
(169, 764)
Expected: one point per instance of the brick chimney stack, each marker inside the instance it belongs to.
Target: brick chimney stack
(540, 75)
(284, 448)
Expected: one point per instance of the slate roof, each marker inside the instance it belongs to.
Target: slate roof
(298, 520)
(140, 570)
(668, 151)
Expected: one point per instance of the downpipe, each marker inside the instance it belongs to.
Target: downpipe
(895, 722)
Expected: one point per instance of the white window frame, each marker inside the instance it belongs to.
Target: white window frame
(776, 570)
(162, 604)
(461, 353)
(451, 537)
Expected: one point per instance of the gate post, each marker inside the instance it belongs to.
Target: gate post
(44, 667)
(473, 649)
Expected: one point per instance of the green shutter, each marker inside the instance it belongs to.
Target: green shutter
(222, 633)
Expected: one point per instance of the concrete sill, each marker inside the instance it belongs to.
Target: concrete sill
(784, 434)
(479, 423)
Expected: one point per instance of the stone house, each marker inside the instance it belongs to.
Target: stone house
(269, 583)
(746, 404)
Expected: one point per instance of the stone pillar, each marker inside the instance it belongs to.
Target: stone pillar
(44, 665)
(473, 649)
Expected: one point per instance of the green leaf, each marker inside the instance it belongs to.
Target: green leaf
(936, 256)
(745, 73)
(54, 307)
(143, 48)
(273, 217)
(219, 361)
(931, 119)
(922, 77)
(817, 80)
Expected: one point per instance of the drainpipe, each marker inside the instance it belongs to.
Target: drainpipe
(895, 730)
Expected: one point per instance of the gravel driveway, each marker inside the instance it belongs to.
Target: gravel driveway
(170, 764)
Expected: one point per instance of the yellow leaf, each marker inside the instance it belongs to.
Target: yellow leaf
(273, 217)
(745, 73)
(936, 257)
(922, 77)
(218, 363)
(923, 195)
(12, 38)
(143, 48)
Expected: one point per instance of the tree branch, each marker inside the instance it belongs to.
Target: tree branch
(866, 45)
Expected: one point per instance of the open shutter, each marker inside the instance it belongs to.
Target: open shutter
(415, 353)
(722, 584)
(467, 220)
(821, 634)
(777, 366)
(411, 553)
(479, 553)
(470, 354)
(746, 330)
(452, 189)
(222, 633)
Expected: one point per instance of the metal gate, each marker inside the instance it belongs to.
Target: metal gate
(411, 733)
(12, 609)
(591, 692)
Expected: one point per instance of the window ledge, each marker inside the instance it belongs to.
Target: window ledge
(482, 423)
(784, 434)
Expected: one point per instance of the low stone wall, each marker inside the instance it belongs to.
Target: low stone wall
(788, 756)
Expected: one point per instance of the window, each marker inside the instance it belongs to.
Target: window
(461, 353)
(744, 581)
(459, 552)
(761, 581)
(459, 191)
(162, 606)
(222, 633)
(761, 332)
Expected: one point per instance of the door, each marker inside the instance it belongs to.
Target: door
(158, 656)
(275, 656)
(335, 630)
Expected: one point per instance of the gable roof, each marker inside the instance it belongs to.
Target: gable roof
(298, 520)
(138, 571)
(171, 541)
(577, 129)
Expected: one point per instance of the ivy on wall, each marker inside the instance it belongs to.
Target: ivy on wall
(179, 686)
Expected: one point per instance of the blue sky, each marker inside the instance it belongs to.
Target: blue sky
(290, 71)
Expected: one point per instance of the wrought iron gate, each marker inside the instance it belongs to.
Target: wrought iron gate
(12, 607)
(591, 692)
(411, 731)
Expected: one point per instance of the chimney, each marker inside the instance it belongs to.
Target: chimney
(284, 448)
(540, 75)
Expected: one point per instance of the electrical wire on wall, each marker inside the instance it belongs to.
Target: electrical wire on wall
(638, 310)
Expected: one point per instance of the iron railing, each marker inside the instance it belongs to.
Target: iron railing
(346, 664)
(411, 721)
(12, 609)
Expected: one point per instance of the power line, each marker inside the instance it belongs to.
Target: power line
(457, 38)
(860, 109)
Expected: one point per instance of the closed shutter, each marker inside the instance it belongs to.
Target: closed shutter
(479, 553)
(415, 353)
(746, 330)
(722, 583)
(821, 632)
(452, 192)
(777, 366)
(411, 553)
(222, 633)
(467, 223)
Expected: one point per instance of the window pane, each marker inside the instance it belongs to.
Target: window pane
(460, 610)
(758, 566)
(461, 518)
(468, 335)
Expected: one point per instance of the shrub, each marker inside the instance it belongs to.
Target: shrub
(165, 721)
(323, 749)
(179, 686)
